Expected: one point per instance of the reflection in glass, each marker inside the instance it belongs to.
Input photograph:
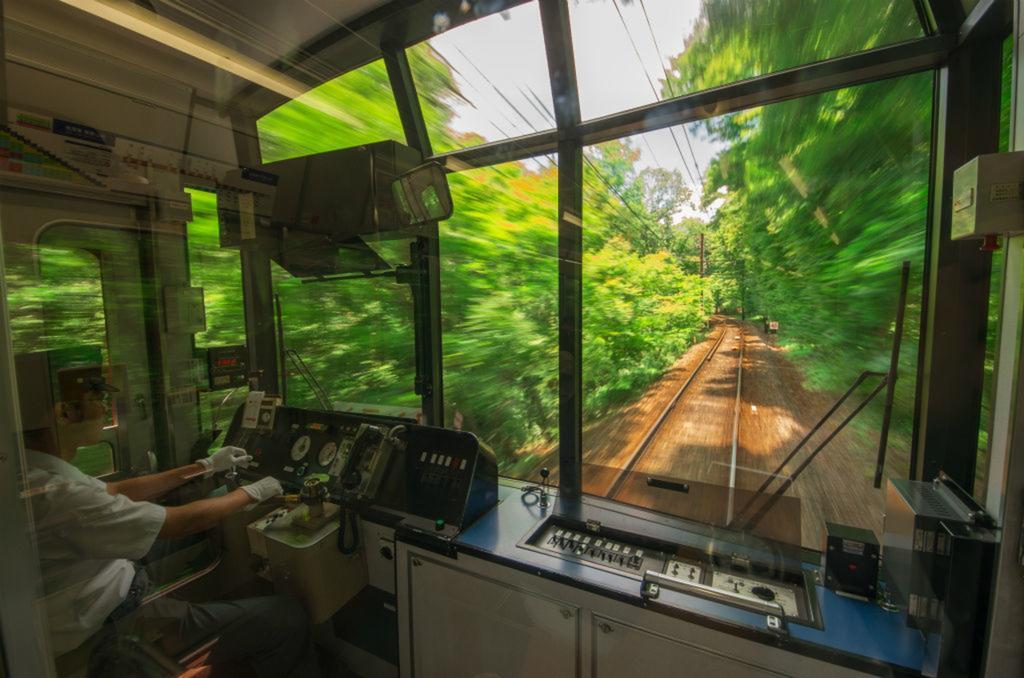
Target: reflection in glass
(723, 318)
(325, 119)
(499, 305)
(659, 49)
(484, 81)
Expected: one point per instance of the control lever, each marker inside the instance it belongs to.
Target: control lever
(544, 473)
(313, 494)
(231, 478)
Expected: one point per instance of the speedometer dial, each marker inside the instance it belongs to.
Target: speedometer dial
(327, 453)
(300, 449)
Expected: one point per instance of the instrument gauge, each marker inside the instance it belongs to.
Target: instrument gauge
(301, 448)
(327, 454)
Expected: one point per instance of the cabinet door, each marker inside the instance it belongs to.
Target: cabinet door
(623, 650)
(465, 625)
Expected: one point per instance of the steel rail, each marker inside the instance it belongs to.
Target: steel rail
(736, 425)
(638, 453)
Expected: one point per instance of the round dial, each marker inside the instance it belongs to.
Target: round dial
(327, 453)
(300, 449)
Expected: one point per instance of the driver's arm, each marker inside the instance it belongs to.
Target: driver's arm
(196, 516)
(200, 515)
(155, 485)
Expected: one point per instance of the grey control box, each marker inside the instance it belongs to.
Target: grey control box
(988, 196)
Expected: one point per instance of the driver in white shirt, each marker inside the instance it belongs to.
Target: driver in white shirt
(89, 532)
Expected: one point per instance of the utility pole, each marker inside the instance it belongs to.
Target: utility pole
(702, 254)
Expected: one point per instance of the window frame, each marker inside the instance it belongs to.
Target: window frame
(926, 54)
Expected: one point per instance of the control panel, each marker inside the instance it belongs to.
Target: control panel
(297, 446)
(371, 462)
(696, 571)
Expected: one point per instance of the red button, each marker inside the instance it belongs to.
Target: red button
(853, 568)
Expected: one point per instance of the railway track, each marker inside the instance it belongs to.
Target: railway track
(645, 444)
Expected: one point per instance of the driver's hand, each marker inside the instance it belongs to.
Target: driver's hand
(224, 459)
(263, 489)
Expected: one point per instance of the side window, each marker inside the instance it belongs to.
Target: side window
(218, 271)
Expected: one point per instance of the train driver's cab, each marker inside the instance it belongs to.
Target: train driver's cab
(573, 338)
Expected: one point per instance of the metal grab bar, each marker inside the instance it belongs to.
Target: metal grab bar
(652, 581)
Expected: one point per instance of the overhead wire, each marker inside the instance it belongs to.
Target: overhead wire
(672, 90)
(599, 174)
(654, 90)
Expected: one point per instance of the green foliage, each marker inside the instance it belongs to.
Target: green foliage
(218, 271)
(499, 305)
(738, 39)
(356, 337)
(55, 298)
(642, 293)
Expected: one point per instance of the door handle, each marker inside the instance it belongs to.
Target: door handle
(605, 627)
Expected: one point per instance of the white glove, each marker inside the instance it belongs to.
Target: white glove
(224, 459)
(263, 489)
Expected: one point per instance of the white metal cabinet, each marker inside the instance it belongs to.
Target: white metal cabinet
(618, 649)
(467, 625)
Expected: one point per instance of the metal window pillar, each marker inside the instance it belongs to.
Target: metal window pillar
(1006, 442)
(965, 124)
(257, 284)
(426, 251)
(554, 16)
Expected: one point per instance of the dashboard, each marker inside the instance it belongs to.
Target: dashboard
(369, 462)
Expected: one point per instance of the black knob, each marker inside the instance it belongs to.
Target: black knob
(544, 473)
(385, 553)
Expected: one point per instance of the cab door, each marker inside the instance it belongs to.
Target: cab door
(75, 292)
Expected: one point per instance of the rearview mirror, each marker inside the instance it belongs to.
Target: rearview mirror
(422, 195)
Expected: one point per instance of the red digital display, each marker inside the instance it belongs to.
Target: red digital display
(227, 362)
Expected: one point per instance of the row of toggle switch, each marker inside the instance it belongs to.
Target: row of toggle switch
(596, 549)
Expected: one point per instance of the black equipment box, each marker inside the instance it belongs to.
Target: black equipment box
(227, 366)
(315, 214)
(851, 561)
(933, 530)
